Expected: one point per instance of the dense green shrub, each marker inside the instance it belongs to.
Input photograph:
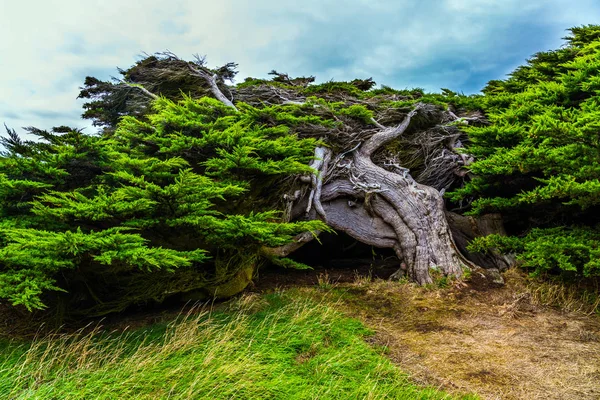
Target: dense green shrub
(156, 207)
(182, 194)
(538, 162)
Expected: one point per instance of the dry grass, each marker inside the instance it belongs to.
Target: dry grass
(324, 281)
(570, 298)
(498, 342)
(524, 340)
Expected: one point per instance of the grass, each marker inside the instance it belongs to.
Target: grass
(567, 297)
(277, 346)
(522, 340)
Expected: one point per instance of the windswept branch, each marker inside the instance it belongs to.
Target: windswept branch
(287, 249)
(141, 88)
(387, 135)
(211, 79)
(319, 184)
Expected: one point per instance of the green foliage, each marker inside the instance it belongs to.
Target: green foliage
(162, 74)
(32, 257)
(124, 217)
(279, 347)
(358, 112)
(537, 162)
(248, 82)
(571, 250)
(290, 115)
(346, 88)
(386, 90)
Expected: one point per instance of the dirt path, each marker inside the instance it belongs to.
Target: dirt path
(481, 338)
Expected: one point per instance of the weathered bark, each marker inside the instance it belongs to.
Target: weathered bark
(414, 213)
(287, 249)
(140, 88)
(321, 164)
(356, 222)
(211, 80)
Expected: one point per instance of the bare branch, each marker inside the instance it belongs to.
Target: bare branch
(387, 135)
(319, 184)
(377, 124)
(317, 164)
(197, 68)
(212, 82)
(141, 88)
(287, 249)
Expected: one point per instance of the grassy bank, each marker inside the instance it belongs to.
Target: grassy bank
(277, 346)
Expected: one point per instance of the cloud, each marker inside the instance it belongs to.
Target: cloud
(49, 47)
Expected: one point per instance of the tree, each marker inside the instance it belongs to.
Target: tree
(109, 218)
(192, 189)
(162, 74)
(538, 160)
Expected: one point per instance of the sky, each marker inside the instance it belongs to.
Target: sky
(48, 47)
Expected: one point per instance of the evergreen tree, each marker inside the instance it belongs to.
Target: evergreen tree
(193, 183)
(180, 201)
(182, 193)
(538, 162)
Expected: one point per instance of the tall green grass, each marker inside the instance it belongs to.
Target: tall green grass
(278, 346)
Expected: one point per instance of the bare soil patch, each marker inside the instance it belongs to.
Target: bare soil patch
(482, 338)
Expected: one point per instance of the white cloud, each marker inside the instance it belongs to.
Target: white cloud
(48, 47)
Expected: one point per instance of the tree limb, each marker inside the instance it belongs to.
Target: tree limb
(319, 184)
(141, 88)
(387, 135)
(287, 249)
(212, 82)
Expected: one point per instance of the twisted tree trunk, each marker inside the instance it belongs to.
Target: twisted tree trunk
(395, 212)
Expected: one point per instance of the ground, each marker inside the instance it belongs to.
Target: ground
(463, 337)
(475, 337)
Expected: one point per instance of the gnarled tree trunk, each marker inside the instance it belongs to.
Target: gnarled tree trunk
(394, 210)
